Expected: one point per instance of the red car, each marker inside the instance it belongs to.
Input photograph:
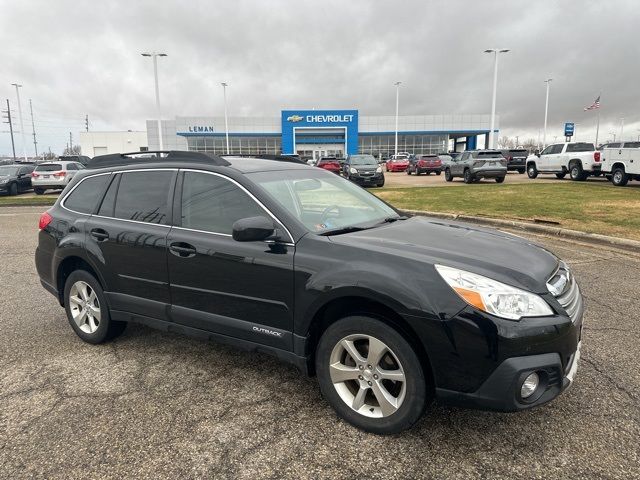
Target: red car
(397, 164)
(330, 164)
(425, 164)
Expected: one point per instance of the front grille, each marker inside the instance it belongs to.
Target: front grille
(564, 287)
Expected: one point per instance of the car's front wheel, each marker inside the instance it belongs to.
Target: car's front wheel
(532, 171)
(447, 175)
(561, 175)
(371, 375)
(468, 177)
(13, 189)
(87, 310)
(499, 179)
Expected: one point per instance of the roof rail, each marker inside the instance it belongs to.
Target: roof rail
(133, 158)
(266, 156)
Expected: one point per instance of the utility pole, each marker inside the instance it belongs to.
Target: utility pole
(621, 128)
(13, 145)
(24, 145)
(86, 123)
(70, 144)
(33, 129)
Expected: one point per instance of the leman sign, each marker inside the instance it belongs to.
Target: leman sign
(201, 129)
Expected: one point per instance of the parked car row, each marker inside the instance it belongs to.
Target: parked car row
(21, 177)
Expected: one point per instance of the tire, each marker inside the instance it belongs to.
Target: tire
(409, 171)
(94, 327)
(418, 171)
(427, 173)
(438, 172)
(468, 178)
(410, 394)
(576, 173)
(521, 170)
(381, 184)
(618, 177)
(447, 175)
(38, 190)
(13, 189)
(532, 171)
(561, 175)
(499, 179)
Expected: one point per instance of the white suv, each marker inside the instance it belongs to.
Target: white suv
(578, 159)
(53, 175)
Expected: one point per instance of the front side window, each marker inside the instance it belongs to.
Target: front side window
(144, 196)
(85, 196)
(558, 148)
(322, 201)
(213, 204)
(547, 150)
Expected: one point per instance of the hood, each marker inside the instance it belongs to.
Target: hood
(492, 253)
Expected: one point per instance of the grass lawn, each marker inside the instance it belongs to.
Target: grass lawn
(22, 200)
(578, 206)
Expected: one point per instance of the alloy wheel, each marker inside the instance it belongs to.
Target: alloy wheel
(367, 375)
(84, 306)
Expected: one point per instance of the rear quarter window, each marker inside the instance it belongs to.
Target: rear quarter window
(85, 196)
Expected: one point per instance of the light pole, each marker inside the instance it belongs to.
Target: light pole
(546, 112)
(226, 123)
(397, 84)
(621, 128)
(155, 56)
(24, 147)
(614, 135)
(495, 52)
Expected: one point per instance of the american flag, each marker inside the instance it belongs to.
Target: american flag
(594, 105)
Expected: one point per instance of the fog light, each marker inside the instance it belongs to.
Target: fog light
(529, 385)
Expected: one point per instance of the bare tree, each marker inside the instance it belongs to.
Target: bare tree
(74, 150)
(506, 142)
(530, 144)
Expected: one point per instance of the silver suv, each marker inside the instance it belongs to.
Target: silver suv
(473, 165)
(53, 175)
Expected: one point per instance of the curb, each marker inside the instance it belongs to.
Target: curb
(593, 238)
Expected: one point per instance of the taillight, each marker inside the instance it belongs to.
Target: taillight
(596, 156)
(34, 175)
(45, 220)
(60, 174)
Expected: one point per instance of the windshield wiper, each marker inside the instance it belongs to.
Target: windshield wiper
(347, 229)
(393, 219)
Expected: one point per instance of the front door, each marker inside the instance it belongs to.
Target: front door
(236, 289)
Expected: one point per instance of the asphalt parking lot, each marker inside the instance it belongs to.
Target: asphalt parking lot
(158, 405)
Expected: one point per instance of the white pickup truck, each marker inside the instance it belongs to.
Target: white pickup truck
(621, 162)
(578, 159)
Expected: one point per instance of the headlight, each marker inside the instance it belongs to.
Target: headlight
(492, 296)
(353, 170)
(379, 170)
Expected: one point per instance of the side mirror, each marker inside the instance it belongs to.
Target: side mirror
(253, 229)
(537, 153)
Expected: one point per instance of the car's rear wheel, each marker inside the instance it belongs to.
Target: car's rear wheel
(576, 173)
(468, 177)
(39, 191)
(532, 171)
(618, 177)
(521, 171)
(371, 375)
(447, 175)
(438, 172)
(87, 310)
(409, 171)
(499, 179)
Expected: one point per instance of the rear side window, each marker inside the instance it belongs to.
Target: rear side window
(213, 204)
(50, 167)
(631, 144)
(85, 196)
(580, 147)
(71, 166)
(144, 197)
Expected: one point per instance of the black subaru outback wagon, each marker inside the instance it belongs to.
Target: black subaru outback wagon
(280, 257)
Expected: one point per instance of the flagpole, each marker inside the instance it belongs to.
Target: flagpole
(597, 128)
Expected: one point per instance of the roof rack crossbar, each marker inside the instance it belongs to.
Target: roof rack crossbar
(154, 156)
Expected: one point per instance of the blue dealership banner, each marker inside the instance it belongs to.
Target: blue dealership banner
(296, 121)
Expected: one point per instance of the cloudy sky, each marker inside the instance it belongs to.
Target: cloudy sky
(83, 57)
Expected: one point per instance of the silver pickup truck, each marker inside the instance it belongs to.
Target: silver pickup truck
(473, 165)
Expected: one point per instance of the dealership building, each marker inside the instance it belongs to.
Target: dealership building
(317, 133)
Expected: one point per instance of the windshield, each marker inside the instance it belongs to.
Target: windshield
(8, 170)
(323, 201)
(362, 160)
(49, 167)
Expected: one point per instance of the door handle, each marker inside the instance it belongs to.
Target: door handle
(99, 234)
(182, 250)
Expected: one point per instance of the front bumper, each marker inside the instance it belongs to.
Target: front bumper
(367, 179)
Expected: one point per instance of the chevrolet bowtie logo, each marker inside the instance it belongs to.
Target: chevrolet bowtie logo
(295, 118)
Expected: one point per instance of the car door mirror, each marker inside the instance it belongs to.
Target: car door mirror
(253, 229)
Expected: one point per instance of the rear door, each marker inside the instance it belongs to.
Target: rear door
(236, 289)
(127, 239)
